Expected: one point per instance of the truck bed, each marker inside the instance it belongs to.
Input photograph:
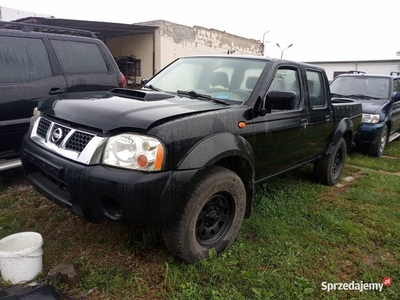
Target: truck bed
(349, 108)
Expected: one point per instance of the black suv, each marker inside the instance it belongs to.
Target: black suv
(380, 98)
(37, 61)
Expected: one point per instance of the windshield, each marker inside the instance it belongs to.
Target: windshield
(226, 78)
(359, 86)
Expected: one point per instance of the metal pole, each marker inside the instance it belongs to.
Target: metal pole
(263, 42)
(283, 49)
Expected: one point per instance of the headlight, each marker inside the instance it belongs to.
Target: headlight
(369, 118)
(132, 151)
(35, 113)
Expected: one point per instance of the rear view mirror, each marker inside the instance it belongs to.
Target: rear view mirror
(278, 100)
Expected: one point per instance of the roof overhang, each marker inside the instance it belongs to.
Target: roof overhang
(101, 29)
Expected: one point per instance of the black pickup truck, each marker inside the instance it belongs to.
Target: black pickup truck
(184, 152)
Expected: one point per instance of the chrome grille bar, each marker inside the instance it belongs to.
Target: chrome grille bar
(68, 142)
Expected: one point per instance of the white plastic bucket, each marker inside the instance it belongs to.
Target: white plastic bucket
(21, 256)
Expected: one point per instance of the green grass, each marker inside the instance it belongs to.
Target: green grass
(376, 163)
(300, 234)
(393, 149)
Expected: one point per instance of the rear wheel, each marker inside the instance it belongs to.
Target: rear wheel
(329, 168)
(379, 147)
(212, 217)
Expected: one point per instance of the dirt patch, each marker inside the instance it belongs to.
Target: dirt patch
(332, 194)
(370, 260)
(392, 157)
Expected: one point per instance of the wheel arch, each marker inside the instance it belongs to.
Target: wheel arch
(389, 125)
(345, 129)
(227, 150)
(242, 168)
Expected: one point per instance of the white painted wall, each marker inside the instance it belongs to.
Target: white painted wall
(199, 40)
(174, 40)
(10, 14)
(368, 66)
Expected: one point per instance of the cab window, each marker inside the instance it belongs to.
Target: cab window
(287, 79)
(396, 86)
(315, 85)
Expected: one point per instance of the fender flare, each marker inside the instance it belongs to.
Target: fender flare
(214, 148)
(345, 125)
(217, 147)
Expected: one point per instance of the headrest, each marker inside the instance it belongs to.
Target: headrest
(219, 78)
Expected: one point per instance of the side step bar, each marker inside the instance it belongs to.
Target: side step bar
(394, 136)
(10, 164)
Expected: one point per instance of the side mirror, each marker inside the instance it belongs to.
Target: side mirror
(143, 81)
(278, 100)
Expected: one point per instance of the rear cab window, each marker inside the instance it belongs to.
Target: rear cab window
(316, 90)
(396, 85)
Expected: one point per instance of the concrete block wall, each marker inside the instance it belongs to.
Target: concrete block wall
(175, 40)
(172, 40)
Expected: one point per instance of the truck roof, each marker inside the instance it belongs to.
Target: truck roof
(254, 57)
(393, 74)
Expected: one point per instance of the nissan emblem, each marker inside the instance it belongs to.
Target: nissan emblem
(57, 135)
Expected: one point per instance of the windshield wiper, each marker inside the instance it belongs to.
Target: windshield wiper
(337, 95)
(361, 96)
(201, 96)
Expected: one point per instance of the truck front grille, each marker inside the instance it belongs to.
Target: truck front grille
(78, 141)
(43, 127)
(66, 141)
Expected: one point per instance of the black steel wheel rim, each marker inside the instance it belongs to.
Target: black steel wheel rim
(215, 219)
(337, 163)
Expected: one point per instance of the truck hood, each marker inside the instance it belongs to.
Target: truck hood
(371, 106)
(109, 112)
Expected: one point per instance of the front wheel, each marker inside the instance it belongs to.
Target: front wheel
(212, 217)
(329, 168)
(378, 148)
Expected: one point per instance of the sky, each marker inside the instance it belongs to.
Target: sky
(336, 30)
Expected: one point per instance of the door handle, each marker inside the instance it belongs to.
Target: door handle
(303, 121)
(327, 118)
(56, 90)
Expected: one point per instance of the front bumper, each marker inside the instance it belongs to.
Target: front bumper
(102, 193)
(368, 134)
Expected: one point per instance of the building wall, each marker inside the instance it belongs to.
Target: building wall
(10, 14)
(171, 41)
(370, 66)
(177, 40)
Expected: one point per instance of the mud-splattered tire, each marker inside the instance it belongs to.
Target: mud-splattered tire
(329, 168)
(212, 217)
(378, 148)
